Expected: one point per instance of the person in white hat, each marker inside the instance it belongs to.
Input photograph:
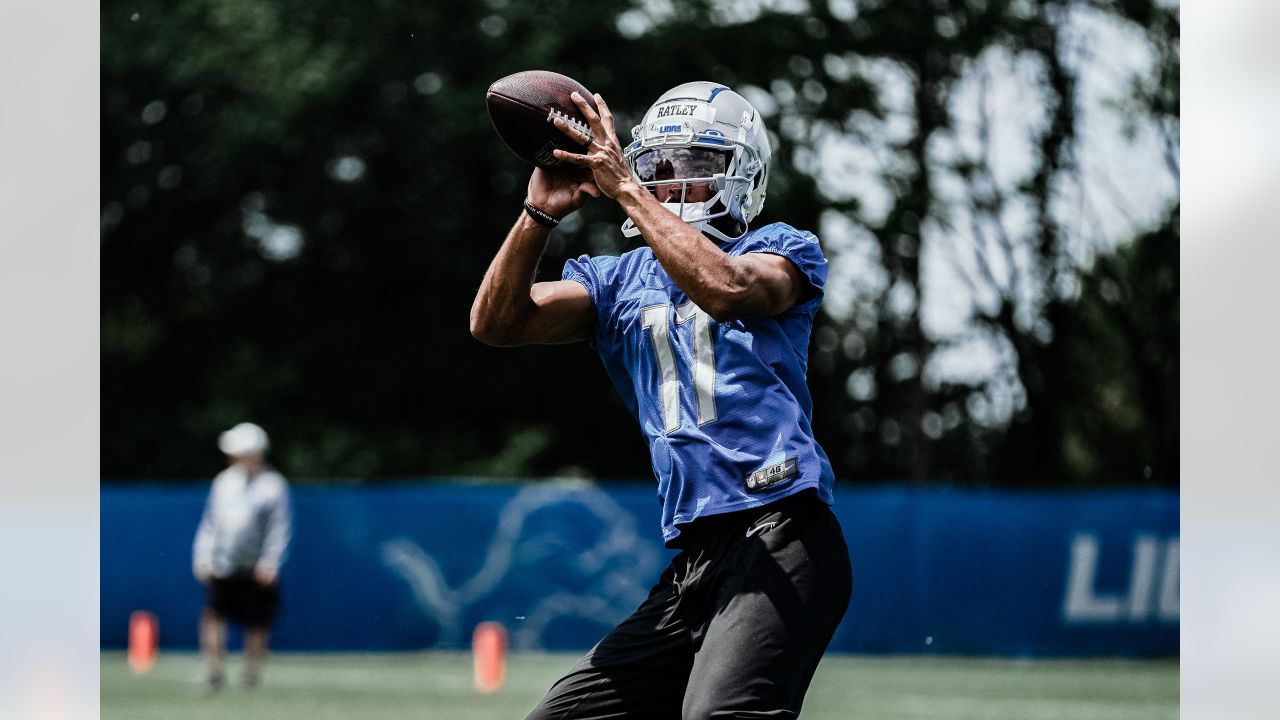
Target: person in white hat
(239, 548)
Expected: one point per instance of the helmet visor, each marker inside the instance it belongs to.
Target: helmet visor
(681, 164)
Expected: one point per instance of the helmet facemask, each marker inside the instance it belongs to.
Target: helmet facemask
(688, 181)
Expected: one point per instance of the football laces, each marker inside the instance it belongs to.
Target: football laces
(572, 122)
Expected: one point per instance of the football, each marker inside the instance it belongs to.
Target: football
(522, 107)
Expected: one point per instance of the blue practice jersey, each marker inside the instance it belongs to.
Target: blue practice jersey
(724, 406)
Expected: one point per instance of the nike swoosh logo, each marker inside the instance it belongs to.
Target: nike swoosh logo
(760, 528)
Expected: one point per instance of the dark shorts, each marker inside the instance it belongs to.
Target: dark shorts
(735, 626)
(241, 599)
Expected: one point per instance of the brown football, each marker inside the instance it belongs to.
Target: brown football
(522, 107)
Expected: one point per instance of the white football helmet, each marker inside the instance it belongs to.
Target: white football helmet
(702, 137)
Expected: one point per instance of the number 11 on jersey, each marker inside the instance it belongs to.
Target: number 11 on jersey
(655, 319)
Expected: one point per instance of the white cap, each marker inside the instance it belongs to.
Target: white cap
(243, 439)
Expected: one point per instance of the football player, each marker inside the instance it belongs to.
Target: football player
(704, 331)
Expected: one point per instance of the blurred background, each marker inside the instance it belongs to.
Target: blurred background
(298, 201)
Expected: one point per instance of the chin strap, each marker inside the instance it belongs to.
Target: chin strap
(696, 210)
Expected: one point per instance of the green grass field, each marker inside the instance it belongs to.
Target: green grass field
(438, 685)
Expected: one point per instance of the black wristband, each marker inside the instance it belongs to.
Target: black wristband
(540, 216)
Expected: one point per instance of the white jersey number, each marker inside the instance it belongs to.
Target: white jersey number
(655, 319)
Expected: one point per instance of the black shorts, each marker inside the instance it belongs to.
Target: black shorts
(736, 623)
(241, 599)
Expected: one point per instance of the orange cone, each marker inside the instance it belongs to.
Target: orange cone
(489, 650)
(144, 638)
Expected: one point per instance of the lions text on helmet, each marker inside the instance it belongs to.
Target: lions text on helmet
(703, 151)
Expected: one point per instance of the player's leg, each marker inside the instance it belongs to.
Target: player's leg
(638, 670)
(258, 609)
(213, 632)
(213, 645)
(778, 606)
(255, 653)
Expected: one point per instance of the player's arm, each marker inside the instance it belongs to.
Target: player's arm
(202, 548)
(725, 287)
(276, 543)
(510, 308)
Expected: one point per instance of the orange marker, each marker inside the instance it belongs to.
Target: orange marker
(144, 638)
(489, 650)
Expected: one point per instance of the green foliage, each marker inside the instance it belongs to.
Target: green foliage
(1124, 331)
(299, 200)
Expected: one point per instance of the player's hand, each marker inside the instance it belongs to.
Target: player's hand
(265, 576)
(560, 192)
(201, 573)
(604, 155)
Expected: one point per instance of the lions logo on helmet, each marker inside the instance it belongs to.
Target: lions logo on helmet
(703, 136)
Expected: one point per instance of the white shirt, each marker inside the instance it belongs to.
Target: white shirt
(246, 523)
